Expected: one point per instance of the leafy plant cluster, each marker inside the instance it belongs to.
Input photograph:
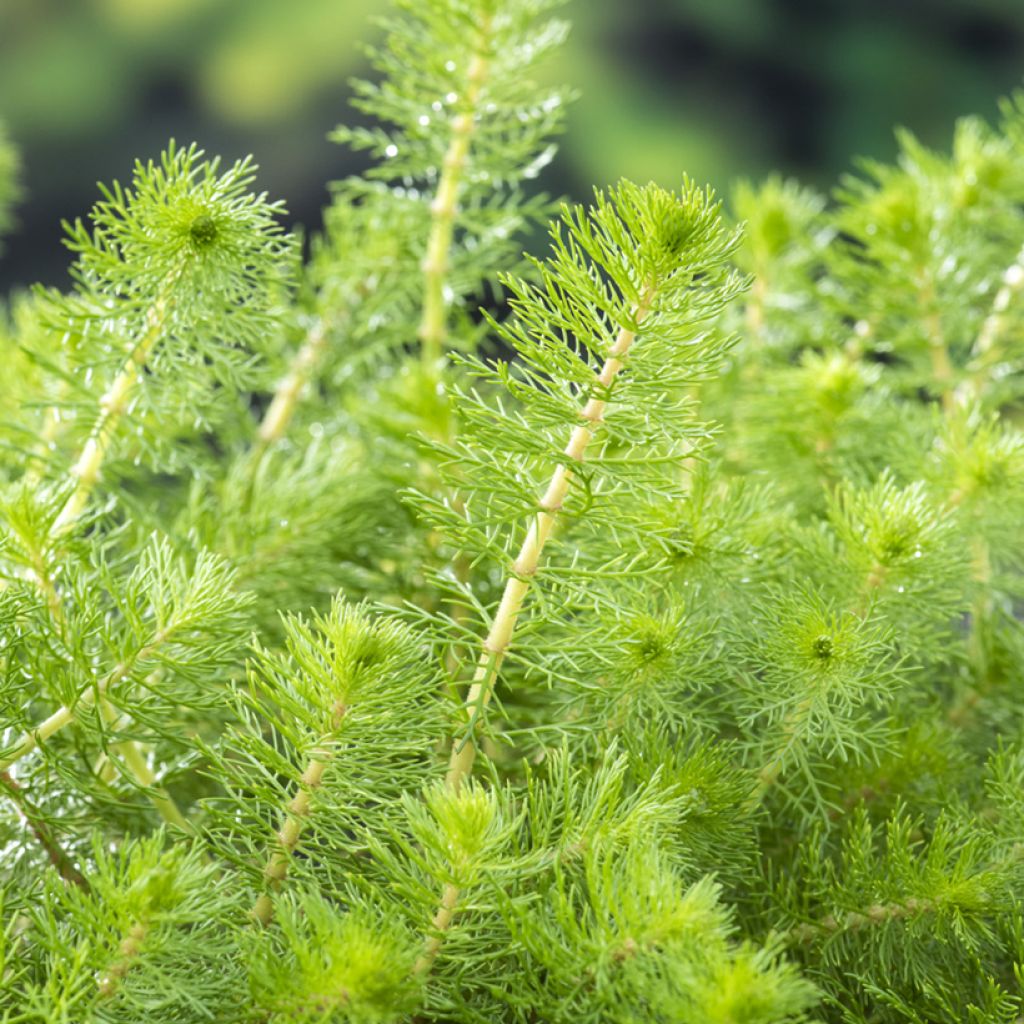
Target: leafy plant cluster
(647, 648)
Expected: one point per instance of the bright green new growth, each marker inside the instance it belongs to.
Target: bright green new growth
(644, 649)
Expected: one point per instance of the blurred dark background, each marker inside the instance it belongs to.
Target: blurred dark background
(717, 88)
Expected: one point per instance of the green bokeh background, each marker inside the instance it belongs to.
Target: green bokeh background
(717, 88)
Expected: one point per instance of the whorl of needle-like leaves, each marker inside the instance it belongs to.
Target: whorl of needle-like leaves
(641, 259)
(427, 66)
(188, 234)
(183, 273)
(461, 122)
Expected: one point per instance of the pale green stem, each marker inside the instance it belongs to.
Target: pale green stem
(524, 568)
(138, 767)
(287, 837)
(993, 327)
(754, 312)
(64, 716)
(286, 398)
(439, 926)
(881, 913)
(113, 403)
(47, 438)
(443, 210)
(495, 645)
(110, 980)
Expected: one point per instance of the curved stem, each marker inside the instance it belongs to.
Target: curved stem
(138, 767)
(434, 322)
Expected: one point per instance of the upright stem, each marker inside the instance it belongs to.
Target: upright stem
(434, 323)
(942, 371)
(129, 949)
(286, 397)
(755, 309)
(439, 926)
(942, 367)
(47, 439)
(993, 327)
(525, 566)
(772, 769)
(495, 645)
(287, 837)
(86, 470)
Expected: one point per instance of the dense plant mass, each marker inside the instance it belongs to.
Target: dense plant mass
(645, 649)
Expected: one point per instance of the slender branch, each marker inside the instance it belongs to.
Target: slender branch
(434, 323)
(41, 830)
(113, 403)
(525, 566)
(495, 645)
(439, 926)
(286, 398)
(288, 835)
(64, 716)
(129, 949)
(993, 327)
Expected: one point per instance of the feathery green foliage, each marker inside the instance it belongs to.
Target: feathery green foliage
(646, 648)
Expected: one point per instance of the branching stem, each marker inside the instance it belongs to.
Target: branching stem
(30, 740)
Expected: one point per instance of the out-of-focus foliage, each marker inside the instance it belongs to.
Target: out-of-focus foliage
(718, 87)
